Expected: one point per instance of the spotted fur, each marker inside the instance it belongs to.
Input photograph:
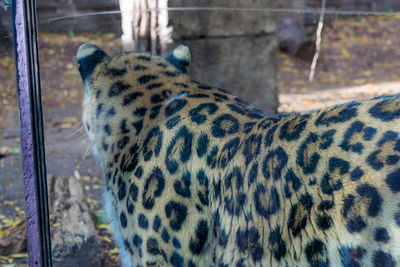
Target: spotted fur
(194, 176)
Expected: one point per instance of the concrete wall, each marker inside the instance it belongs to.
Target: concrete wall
(235, 50)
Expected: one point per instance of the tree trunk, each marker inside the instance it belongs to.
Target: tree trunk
(142, 25)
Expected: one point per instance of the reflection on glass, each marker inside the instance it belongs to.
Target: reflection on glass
(12, 216)
(233, 49)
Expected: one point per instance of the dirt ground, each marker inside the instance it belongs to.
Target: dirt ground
(360, 59)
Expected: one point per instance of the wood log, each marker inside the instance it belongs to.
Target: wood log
(293, 40)
(73, 236)
(14, 240)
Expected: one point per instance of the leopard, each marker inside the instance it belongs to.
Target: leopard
(195, 176)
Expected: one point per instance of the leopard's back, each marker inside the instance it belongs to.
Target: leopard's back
(197, 177)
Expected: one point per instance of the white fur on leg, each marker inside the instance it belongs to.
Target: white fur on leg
(110, 209)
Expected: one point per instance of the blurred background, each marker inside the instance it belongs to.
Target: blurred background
(282, 56)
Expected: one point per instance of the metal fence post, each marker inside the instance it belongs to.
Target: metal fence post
(31, 131)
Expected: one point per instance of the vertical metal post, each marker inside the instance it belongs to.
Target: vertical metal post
(31, 132)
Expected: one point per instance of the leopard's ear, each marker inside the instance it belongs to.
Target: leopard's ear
(88, 57)
(179, 57)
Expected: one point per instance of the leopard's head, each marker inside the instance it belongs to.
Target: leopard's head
(117, 91)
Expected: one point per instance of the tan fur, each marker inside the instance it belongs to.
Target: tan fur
(226, 241)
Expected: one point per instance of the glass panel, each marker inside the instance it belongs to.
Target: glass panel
(262, 51)
(12, 216)
(358, 58)
(63, 26)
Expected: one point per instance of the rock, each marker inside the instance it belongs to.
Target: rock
(74, 239)
(293, 40)
(244, 65)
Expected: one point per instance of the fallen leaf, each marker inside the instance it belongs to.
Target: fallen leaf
(77, 175)
(5, 151)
